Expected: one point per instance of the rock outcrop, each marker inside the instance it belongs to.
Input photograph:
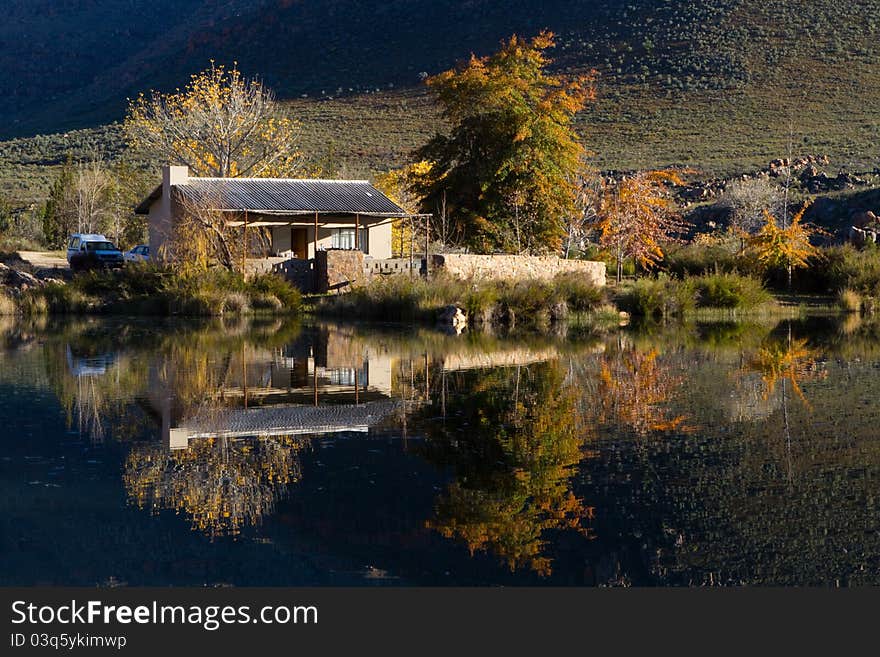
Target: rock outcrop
(18, 280)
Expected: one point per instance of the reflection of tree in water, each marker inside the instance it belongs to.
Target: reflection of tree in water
(633, 390)
(222, 484)
(786, 361)
(513, 440)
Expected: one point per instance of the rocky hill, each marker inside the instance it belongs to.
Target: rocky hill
(722, 85)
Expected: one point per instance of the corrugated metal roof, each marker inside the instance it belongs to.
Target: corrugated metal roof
(282, 195)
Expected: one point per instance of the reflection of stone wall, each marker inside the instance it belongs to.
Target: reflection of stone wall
(339, 270)
(516, 266)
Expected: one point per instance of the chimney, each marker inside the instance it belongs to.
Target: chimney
(162, 215)
(173, 175)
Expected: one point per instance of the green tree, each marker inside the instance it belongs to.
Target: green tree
(6, 216)
(507, 172)
(59, 218)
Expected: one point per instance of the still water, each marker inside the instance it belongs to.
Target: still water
(140, 452)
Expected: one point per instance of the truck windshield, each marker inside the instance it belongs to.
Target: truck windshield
(99, 246)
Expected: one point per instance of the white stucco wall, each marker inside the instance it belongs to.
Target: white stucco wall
(378, 239)
(159, 219)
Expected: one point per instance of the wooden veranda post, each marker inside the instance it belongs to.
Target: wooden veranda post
(412, 245)
(244, 246)
(315, 267)
(427, 245)
(315, 236)
(357, 231)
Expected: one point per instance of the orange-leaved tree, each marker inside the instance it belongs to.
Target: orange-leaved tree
(507, 171)
(785, 246)
(637, 216)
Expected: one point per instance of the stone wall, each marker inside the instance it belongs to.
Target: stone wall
(515, 267)
(338, 270)
(391, 266)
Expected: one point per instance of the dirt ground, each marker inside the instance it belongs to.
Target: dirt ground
(45, 259)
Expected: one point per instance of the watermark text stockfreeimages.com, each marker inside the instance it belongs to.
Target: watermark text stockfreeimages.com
(209, 617)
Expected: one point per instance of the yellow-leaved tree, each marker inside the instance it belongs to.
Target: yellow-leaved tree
(221, 124)
(637, 216)
(397, 185)
(785, 246)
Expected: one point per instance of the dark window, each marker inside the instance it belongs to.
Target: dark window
(100, 246)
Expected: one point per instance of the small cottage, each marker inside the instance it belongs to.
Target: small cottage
(302, 216)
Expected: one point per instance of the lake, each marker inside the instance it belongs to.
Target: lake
(269, 452)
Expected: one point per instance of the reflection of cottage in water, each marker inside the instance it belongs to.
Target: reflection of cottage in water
(233, 426)
(312, 386)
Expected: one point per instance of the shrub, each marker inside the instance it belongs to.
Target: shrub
(200, 304)
(7, 305)
(480, 300)
(845, 267)
(580, 294)
(658, 298)
(729, 291)
(271, 285)
(696, 259)
(387, 298)
(265, 301)
(236, 303)
(529, 296)
(33, 303)
(849, 301)
(150, 289)
(522, 301)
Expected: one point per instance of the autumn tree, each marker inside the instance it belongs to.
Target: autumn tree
(398, 184)
(222, 484)
(220, 125)
(506, 173)
(792, 362)
(637, 216)
(785, 244)
(634, 390)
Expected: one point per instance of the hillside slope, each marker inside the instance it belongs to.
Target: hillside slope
(722, 85)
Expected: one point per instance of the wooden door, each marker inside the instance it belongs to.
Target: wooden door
(300, 243)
